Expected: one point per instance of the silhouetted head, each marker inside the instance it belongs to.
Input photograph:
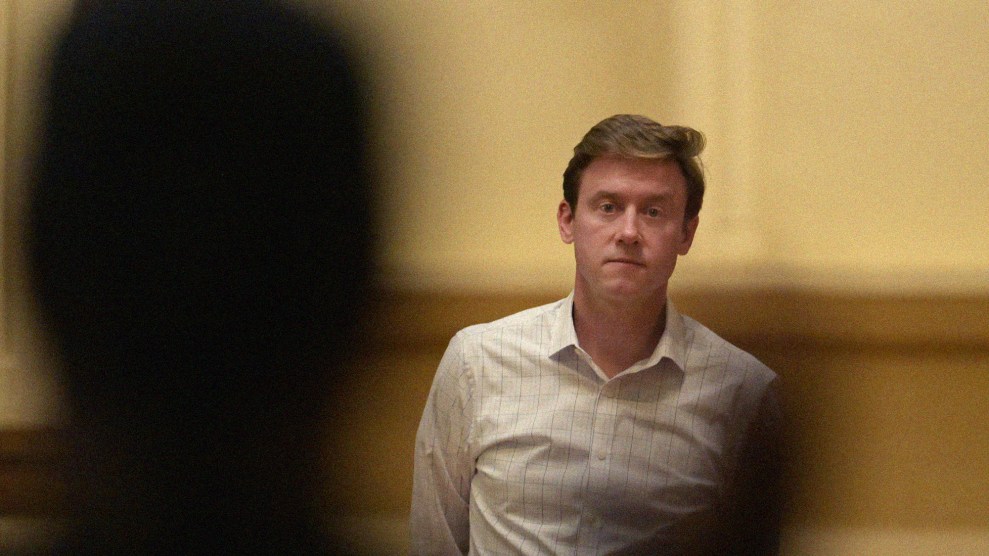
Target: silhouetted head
(202, 206)
(200, 238)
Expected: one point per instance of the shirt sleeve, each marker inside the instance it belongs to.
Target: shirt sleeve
(444, 463)
(753, 520)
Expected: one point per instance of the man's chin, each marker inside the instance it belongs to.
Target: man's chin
(632, 291)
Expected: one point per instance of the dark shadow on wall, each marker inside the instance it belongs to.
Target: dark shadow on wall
(884, 398)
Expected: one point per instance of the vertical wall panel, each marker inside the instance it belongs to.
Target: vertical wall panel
(715, 89)
(28, 390)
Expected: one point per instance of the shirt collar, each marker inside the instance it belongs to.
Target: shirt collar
(563, 335)
(672, 345)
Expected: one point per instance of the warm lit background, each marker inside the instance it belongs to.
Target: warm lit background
(844, 238)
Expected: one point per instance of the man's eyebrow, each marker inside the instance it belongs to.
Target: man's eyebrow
(602, 195)
(656, 198)
(660, 198)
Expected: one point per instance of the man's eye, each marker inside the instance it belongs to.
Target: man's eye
(654, 212)
(608, 207)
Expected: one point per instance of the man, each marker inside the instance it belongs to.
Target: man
(606, 422)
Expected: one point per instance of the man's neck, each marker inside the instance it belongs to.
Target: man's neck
(617, 335)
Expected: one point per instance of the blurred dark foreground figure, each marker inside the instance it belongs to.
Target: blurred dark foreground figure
(200, 242)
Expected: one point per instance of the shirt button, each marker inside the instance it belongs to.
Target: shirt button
(602, 455)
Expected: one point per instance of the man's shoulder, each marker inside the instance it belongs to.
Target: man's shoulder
(703, 339)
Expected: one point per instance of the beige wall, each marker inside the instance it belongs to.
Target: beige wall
(849, 152)
(849, 141)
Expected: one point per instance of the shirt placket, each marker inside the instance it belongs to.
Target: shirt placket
(603, 422)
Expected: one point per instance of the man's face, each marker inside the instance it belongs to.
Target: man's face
(627, 228)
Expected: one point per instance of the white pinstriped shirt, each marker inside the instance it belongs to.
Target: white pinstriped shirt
(526, 447)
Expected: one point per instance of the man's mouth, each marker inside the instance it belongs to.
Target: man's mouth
(626, 261)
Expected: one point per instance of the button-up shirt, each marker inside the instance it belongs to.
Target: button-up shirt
(527, 447)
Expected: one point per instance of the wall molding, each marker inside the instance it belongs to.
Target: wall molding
(31, 484)
(411, 328)
(740, 315)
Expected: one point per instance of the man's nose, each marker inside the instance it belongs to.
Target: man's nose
(628, 231)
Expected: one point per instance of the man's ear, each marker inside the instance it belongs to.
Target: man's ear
(564, 218)
(689, 229)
